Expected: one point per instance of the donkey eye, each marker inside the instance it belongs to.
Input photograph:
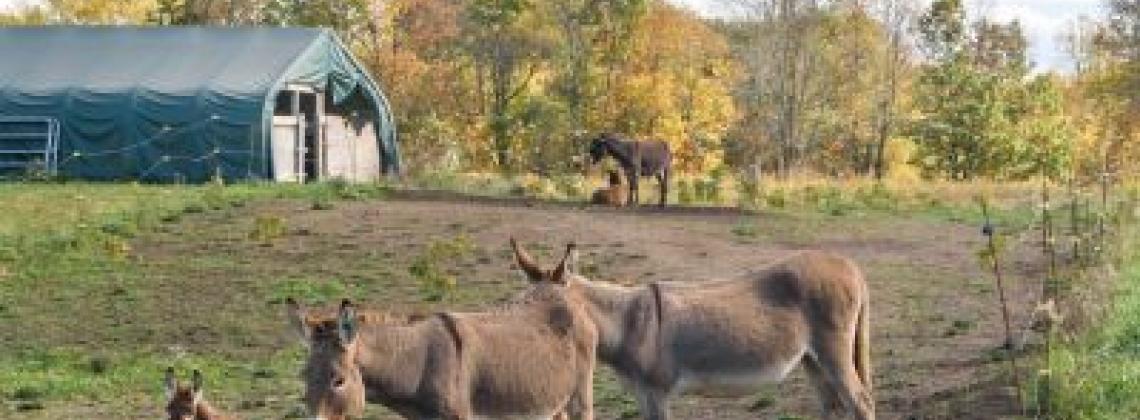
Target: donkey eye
(338, 382)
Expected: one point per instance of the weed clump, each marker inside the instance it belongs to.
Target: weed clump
(308, 290)
(435, 284)
(266, 228)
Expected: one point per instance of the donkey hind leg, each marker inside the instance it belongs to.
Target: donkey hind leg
(834, 357)
(632, 178)
(653, 403)
(830, 406)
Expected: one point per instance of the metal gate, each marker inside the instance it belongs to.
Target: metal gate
(29, 144)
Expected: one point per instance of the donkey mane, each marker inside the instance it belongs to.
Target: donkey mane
(368, 317)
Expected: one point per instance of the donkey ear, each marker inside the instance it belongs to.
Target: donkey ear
(295, 314)
(169, 383)
(346, 322)
(559, 273)
(533, 272)
(196, 383)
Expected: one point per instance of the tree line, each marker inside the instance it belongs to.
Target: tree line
(839, 87)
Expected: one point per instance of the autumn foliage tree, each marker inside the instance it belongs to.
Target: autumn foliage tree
(822, 87)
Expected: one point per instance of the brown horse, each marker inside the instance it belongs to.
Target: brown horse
(637, 159)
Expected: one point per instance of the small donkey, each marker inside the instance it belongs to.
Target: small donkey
(612, 195)
(533, 358)
(724, 337)
(186, 403)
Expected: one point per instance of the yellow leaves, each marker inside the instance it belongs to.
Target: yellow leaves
(897, 159)
(675, 86)
(104, 11)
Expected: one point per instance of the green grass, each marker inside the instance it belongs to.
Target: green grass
(62, 207)
(74, 319)
(1097, 376)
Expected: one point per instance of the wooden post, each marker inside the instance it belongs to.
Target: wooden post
(319, 139)
(298, 137)
(988, 231)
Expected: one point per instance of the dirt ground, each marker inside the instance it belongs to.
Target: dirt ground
(936, 325)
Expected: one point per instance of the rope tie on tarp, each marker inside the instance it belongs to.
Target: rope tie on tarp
(165, 132)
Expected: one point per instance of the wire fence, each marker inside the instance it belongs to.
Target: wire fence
(162, 141)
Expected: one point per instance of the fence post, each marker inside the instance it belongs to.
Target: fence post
(988, 231)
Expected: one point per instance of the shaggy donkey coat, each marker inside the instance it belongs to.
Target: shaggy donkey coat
(724, 337)
(533, 358)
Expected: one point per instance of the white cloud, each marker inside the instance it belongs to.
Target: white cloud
(1042, 20)
(6, 5)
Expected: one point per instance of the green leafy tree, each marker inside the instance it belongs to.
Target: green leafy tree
(978, 114)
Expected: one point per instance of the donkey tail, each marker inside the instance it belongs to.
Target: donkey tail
(863, 344)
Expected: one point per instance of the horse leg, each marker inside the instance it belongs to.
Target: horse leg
(663, 181)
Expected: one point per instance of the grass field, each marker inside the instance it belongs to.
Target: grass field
(102, 286)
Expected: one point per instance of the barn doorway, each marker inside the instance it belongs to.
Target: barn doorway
(298, 133)
(316, 139)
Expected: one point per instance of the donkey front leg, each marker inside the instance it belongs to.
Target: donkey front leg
(633, 199)
(583, 401)
(455, 407)
(653, 403)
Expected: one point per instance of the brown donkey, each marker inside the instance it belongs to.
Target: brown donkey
(533, 358)
(613, 195)
(725, 337)
(186, 403)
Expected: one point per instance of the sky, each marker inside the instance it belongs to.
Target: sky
(1043, 21)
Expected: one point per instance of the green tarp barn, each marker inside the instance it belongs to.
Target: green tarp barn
(188, 103)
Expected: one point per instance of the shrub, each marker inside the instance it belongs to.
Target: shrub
(685, 194)
(776, 198)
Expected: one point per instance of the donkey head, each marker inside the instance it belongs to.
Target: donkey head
(599, 146)
(182, 401)
(333, 385)
(561, 274)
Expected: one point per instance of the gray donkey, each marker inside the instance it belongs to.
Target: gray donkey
(725, 337)
(533, 358)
